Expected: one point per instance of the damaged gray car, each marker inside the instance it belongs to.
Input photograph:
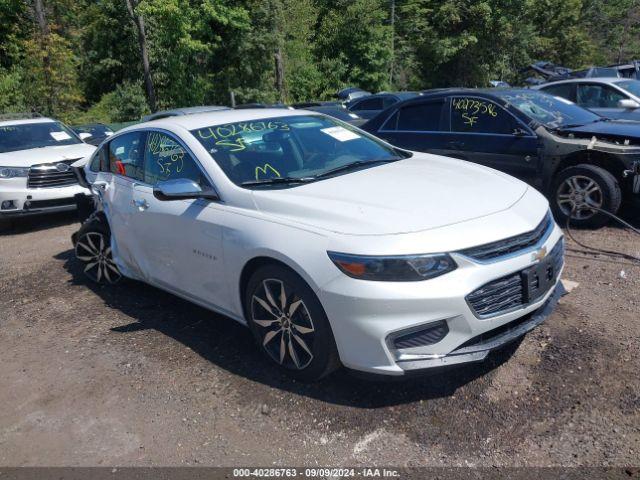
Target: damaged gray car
(586, 164)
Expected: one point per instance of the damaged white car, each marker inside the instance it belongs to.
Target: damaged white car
(332, 246)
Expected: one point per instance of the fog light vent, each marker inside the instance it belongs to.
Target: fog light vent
(426, 336)
(8, 205)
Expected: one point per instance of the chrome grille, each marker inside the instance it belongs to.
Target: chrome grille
(511, 245)
(48, 175)
(510, 292)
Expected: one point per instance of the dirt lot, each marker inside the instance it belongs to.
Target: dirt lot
(130, 375)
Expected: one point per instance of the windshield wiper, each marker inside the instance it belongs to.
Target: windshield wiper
(356, 164)
(277, 180)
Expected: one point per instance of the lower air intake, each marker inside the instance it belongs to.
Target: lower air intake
(427, 336)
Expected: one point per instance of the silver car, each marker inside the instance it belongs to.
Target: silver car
(613, 97)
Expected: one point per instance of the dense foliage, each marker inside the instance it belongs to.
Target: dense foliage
(114, 60)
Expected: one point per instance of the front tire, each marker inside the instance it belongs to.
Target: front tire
(578, 188)
(289, 323)
(93, 250)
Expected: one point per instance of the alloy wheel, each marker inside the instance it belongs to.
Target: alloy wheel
(577, 195)
(284, 324)
(94, 250)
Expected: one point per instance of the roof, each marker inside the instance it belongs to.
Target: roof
(220, 117)
(184, 111)
(585, 80)
(26, 121)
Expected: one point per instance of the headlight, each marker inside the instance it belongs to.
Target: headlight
(404, 268)
(11, 172)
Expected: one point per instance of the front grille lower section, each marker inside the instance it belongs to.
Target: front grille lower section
(493, 250)
(49, 175)
(516, 290)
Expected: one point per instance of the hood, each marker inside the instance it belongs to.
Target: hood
(616, 129)
(34, 156)
(420, 193)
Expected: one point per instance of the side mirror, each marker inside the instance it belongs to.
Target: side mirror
(84, 136)
(629, 104)
(519, 132)
(181, 189)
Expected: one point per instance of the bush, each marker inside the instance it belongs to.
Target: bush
(124, 104)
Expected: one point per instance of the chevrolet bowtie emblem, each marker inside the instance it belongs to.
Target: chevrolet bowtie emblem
(540, 254)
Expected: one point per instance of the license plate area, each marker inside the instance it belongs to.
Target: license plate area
(537, 280)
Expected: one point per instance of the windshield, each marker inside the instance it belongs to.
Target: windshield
(552, 112)
(295, 147)
(35, 135)
(631, 86)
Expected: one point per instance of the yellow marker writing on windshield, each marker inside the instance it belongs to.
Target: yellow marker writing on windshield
(265, 169)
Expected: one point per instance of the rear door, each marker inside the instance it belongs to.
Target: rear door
(418, 126)
(483, 132)
(116, 187)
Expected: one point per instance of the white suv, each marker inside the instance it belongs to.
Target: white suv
(331, 245)
(35, 167)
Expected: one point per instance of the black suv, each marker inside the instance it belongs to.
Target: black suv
(577, 158)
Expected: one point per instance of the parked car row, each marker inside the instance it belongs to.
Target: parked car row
(389, 249)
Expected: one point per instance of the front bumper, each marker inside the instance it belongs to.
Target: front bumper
(29, 201)
(478, 349)
(365, 316)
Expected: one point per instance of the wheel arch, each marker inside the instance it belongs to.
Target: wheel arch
(606, 161)
(264, 259)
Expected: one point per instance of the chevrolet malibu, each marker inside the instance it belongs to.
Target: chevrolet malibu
(332, 246)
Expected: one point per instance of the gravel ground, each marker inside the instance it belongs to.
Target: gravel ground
(130, 375)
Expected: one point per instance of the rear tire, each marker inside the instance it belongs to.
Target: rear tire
(93, 250)
(289, 323)
(577, 188)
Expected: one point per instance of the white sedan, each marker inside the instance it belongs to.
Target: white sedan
(332, 246)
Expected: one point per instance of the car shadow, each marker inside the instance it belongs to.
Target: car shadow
(35, 223)
(230, 346)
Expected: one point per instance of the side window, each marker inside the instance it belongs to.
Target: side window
(126, 155)
(388, 101)
(100, 163)
(564, 90)
(478, 115)
(591, 95)
(421, 117)
(369, 104)
(166, 159)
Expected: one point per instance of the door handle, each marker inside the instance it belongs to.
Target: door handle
(455, 144)
(141, 205)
